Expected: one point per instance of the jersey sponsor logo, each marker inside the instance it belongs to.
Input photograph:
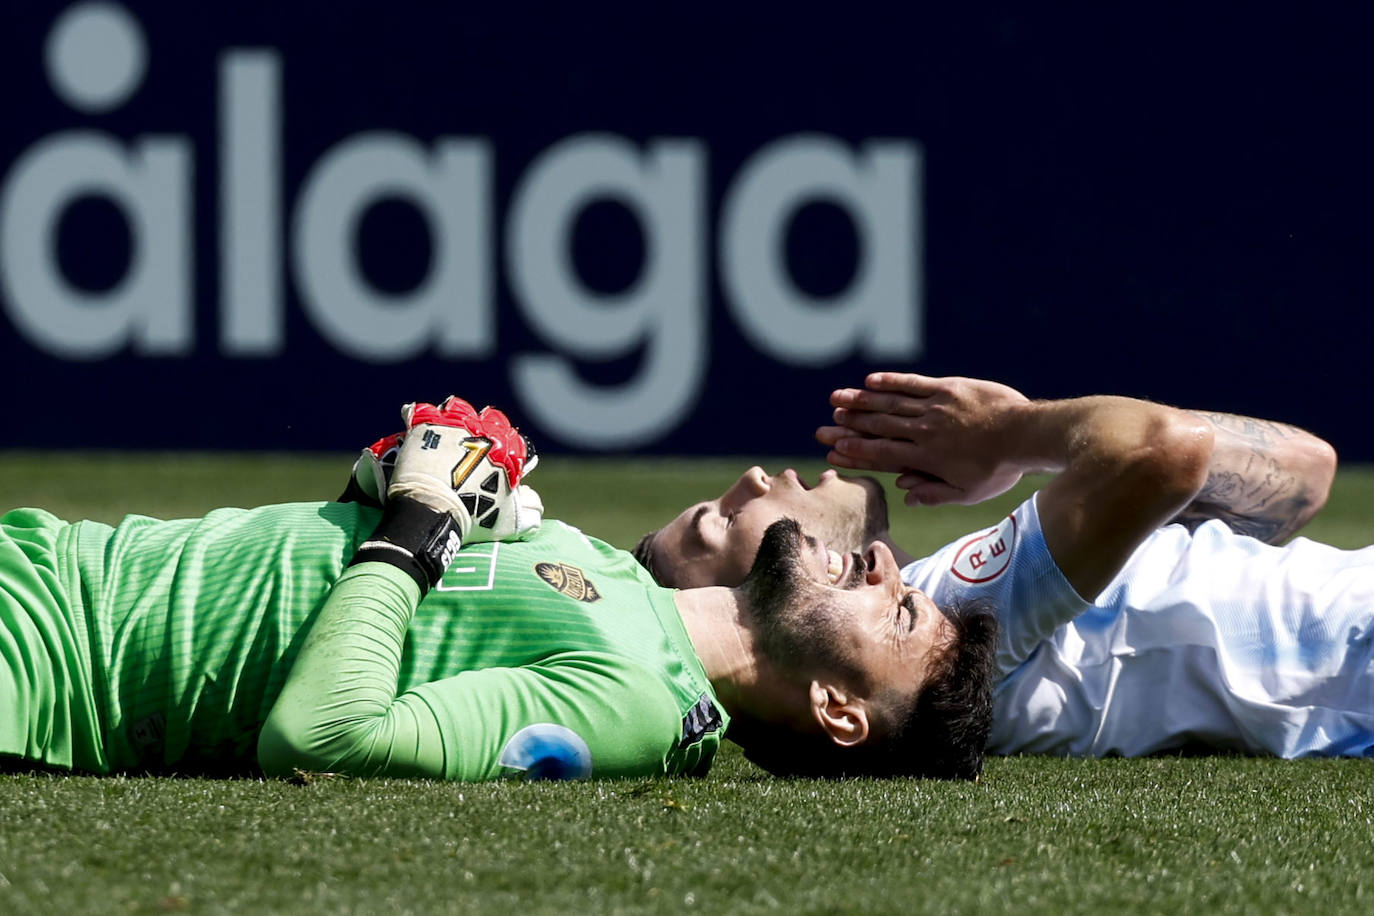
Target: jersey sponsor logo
(568, 580)
(547, 751)
(986, 556)
(700, 721)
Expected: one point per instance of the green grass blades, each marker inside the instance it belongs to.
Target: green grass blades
(1214, 835)
(1221, 835)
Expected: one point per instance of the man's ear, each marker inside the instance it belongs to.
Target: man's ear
(842, 715)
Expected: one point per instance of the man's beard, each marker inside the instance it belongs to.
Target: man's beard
(792, 627)
(851, 532)
(875, 515)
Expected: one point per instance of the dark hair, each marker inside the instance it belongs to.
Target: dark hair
(644, 553)
(942, 734)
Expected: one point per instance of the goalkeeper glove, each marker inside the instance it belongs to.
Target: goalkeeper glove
(455, 481)
(372, 472)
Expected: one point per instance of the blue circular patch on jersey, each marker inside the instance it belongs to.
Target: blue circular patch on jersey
(548, 751)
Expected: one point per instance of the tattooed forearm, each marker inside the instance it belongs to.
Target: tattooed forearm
(1262, 434)
(1266, 479)
(1270, 529)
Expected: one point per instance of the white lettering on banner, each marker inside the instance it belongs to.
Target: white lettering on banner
(95, 57)
(451, 307)
(664, 310)
(149, 310)
(875, 190)
(96, 61)
(251, 311)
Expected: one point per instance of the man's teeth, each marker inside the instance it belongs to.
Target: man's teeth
(836, 566)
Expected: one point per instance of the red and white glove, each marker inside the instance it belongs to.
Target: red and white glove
(469, 464)
(372, 472)
(455, 480)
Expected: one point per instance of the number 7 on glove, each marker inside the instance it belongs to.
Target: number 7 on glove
(456, 480)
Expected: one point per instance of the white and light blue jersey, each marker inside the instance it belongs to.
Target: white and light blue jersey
(1203, 639)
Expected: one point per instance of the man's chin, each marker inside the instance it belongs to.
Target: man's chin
(876, 522)
(771, 583)
(863, 525)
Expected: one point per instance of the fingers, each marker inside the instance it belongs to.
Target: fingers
(530, 498)
(842, 456)
(529, 509)
(386, 445)
(841, 460)
(910, 479)
(452, 412)
(860, 399)
(508, 449)
(900, 393)
(489, 414)
(879, 424)
(531, 456)
(829, 435)
(908, 383)
(456, 405)
(924, 489)
(932, 493)
(891, 392)
(866, 454)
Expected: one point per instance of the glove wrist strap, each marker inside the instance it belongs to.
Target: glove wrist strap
(415, 538)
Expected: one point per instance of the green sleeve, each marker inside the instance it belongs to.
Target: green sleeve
(573, 714)
(338, 711)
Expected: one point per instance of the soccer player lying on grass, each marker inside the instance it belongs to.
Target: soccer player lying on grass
(452, 634)
(1142, 602)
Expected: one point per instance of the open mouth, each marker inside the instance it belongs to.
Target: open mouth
(834, 571)
(844, 570)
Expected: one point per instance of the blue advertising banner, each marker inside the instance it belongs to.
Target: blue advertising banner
(663, 230)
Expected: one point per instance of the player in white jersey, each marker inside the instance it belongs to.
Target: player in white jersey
(1141, 608)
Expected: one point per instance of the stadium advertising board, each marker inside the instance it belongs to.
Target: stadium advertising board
(632, 236)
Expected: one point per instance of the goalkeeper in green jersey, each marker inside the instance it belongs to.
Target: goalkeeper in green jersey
(435, 625)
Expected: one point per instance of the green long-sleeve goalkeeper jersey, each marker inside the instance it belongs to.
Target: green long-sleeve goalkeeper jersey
(185, 631)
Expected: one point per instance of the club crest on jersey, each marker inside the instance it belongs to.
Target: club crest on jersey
(986, 556)
(568, 580)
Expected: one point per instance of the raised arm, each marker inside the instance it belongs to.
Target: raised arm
(1266, 479)
(1126, 467)
(456, 480)
(1123, 467)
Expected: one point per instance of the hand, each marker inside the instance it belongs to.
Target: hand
(469, 464)
(947, 438)
(372, 472)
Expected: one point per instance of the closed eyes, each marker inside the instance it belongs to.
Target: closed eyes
(909, 605)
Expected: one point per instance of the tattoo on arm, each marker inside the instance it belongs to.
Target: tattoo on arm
(1263, 434)
(1249, 487)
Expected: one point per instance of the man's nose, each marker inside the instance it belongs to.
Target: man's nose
(752, 484)
(883, 567)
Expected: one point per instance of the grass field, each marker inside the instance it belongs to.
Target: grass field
(1219, 834)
